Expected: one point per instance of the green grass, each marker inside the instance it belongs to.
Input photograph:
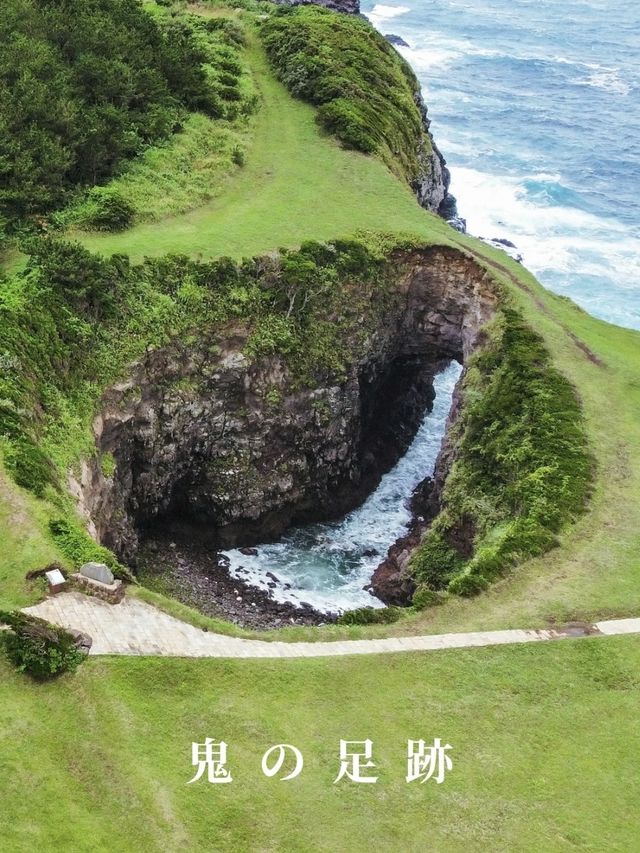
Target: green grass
(188, 171)
(595, 572)
(24, 545)
(296, 185)
(545, 744)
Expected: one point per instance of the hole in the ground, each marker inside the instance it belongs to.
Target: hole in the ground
(324, 564)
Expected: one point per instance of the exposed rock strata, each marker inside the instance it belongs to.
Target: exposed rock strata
(432, 184)
(198, 432)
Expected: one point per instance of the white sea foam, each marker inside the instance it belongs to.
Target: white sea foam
(558, 242)
(327, 565)
(607, 79)
(381, 12)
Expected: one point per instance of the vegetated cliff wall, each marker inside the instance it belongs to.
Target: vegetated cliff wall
(366, 94)
(200, 432)
(349, 7)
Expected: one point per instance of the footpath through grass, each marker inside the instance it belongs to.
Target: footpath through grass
(545, 744)
(296, 185)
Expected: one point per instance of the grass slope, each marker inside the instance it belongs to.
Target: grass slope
(540, 735)
(282, 195)
(296, 185)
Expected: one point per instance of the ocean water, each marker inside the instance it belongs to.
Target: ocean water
(535, 104)
(327, 565)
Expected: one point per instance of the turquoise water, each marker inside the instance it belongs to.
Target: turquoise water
(536, 106)
(328, 565)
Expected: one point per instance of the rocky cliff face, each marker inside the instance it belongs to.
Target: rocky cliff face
(432, 184)
(200, 433)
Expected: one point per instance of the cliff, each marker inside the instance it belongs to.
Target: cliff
(200, 432)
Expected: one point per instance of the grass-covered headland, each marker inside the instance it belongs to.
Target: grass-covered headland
(237, 201)
(364, 91)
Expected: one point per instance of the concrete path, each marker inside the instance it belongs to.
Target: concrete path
(136, 628)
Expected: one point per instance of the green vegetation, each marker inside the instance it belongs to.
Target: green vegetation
(38, 648)
(195, 163)
(522, 470)
(295, 185)
(370, 616)
(538, 734)
(84, 86)
(365, 92)
(518, 479)
(70, 322)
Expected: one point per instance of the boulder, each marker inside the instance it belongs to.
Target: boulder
(398, 41)
(98, 572)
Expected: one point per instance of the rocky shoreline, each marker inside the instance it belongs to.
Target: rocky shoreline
(196, 575)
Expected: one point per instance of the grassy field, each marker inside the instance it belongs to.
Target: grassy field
(544, 739)
(296, 185)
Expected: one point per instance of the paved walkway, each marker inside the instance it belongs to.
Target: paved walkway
(136, 628)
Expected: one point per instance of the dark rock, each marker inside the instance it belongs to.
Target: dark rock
(370, 552)
(459, 223)
(398, 41)
(273, 577)
(448, 208)
(82, 641)
(432, 184)
(506, 245)
(229, 598)
(249, 552)
(227, 470)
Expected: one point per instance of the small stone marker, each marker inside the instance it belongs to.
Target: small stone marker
(56, 580)
(98, 572)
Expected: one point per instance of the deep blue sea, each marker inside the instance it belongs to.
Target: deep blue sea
(536, 106)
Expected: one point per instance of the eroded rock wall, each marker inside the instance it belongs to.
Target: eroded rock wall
(198, 431)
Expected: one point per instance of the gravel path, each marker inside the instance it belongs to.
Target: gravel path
(136, 628)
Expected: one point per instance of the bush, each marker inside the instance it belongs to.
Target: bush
(370, 616)
(38, 648)
(107, 210)
(522, 468)
(99, 82)
(29, 466)
(78, 547)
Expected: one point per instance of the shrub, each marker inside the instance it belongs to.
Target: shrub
(370, 616)
(107, 210)
(38, 648)
(76, 544)
(29, 466)
(364, 90)
(238, 156)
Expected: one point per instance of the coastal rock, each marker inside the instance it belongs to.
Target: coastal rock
(395, 40)
(431, 186)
